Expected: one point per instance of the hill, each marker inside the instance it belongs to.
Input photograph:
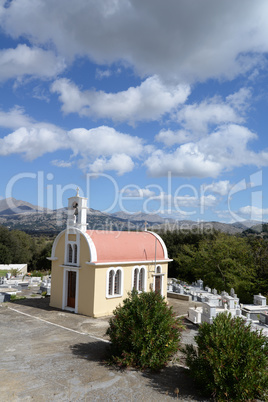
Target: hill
(17, 214)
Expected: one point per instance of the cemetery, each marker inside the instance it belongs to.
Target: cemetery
(15, 285)
(210, 304)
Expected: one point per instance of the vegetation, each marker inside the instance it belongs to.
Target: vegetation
(15, 297)
(223, 261)
(232, 360)
(144, 332)
(17, 247)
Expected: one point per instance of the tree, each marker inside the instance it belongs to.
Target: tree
(5, 255)
(222, 261)
(231, 362)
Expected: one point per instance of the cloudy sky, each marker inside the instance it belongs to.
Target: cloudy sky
(154, 106)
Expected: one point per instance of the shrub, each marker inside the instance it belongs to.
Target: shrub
(232, 359)
(144, 332)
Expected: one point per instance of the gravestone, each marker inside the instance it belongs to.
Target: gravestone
(259, 300)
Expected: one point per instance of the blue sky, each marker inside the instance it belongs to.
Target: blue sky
(144, 105)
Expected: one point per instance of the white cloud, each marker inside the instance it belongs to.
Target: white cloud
(170, 138)
(221, 187)
(186, 161)
(61, 163)
(186, 40)
(104, 141)
(197, 120)
(15, 118)
(254, 213)
(99, 149)
(121, 163)
(135, 191)
(23, 60)
(33, 142)
(149, 101)
(224, 149)
(100, 74)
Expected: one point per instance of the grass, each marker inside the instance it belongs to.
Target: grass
(15, 297)
(3, 272)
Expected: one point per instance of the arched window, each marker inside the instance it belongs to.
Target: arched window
(75, 253)
(111, 282)
(142, 280)
(114, 282)
(117, 282)
(135, 279)
(72, 247)
(70, 253)
(139, 279)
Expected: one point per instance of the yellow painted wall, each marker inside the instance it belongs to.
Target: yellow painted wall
(57, 274)
(86, 280)
(104, 306)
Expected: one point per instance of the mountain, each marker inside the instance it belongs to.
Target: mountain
(261, 229)
(139, 216)
(11, 206)
(22, 215)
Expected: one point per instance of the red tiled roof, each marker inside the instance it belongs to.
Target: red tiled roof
(127, 246)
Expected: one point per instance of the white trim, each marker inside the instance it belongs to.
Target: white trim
(52, 258)
(55, 243)
(121, 285)
(161, 241)
(128, 262)
(65, 288)
(73, 230)
(92, 248)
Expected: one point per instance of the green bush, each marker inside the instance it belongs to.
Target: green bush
(144, 332)
(232, 360)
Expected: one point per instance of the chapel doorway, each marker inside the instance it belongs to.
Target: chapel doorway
(71, 289)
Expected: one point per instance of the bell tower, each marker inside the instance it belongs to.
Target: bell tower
(77, 212)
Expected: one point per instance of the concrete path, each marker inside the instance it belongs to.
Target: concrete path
(51, 355)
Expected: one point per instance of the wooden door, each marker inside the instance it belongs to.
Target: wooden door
(71, 289)
(158, 283)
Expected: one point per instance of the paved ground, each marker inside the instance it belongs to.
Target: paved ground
(51, 355)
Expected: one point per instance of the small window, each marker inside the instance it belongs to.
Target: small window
(117, 282)
(139, 279)
(114, 282)
(111, 283)
(75, 253)
(136, 275)
(70, 253)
